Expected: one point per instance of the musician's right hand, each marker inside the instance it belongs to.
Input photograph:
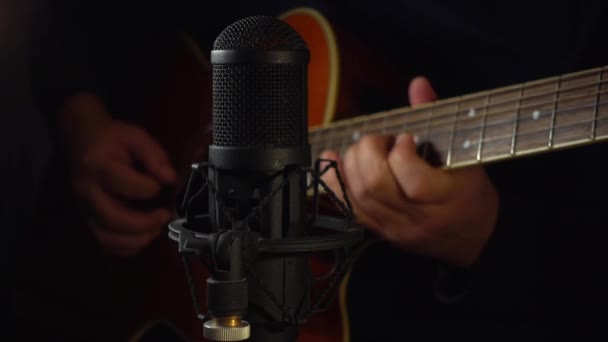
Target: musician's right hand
(114, 163)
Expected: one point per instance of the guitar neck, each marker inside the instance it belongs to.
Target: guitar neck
(532, 117)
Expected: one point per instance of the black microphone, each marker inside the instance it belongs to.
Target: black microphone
(257, 233)
(260, 140)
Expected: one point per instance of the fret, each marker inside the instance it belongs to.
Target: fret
(469, 123)
(363, 130)
(345, 137)
(438, 131)
(575, 109)
(356, 131)
(416, 122)
(552, 129)
(516, 121)
(340, 138)
(330, 136)
(350, 134)
(330, 139)
(405, 127)
(374, 125)
(336, 137)
(500, 119)
(536, 113)
(426, 134)
(596, 104)
(384, 124)
(448, 161)
(395, 122)
(483, 127)
(602, 111)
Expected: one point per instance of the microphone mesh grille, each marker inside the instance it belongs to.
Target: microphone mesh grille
(262, 33)
(258, 105)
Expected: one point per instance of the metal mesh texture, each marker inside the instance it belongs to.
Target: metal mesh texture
(259, 105)
(262, 33)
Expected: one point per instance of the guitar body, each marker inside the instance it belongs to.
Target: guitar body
(171, 98)
(343, 70)
(175, 107)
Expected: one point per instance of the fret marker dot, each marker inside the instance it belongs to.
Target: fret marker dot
(466, 144)
(472, 112)
(356, 136)
(536, 115)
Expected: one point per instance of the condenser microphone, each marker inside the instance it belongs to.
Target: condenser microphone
(260, 145)
(256, 235)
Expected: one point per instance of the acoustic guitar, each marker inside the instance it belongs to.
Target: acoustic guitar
(173, 102)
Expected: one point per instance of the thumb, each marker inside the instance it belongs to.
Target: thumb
(421, 91)
(146, 150)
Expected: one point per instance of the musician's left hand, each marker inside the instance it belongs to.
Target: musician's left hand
(448, 215)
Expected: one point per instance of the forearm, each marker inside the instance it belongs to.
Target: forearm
(79, 121)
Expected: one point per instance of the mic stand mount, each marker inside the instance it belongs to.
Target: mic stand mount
(230, 253)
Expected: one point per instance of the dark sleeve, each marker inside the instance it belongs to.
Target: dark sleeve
(503, 279)
(71, 51)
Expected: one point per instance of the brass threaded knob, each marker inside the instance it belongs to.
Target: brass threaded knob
(226, 329)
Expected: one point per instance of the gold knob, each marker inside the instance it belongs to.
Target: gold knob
(226, 329)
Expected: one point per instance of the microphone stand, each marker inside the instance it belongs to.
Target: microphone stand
(227, 289)
(259, 288)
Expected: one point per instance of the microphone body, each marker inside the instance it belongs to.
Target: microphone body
(256, 236)
(257, 179)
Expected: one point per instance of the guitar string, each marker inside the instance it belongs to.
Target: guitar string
(562, 127)
(406, 116)
(508, 122)
(472, 97)
(493, 154)
(488, 140)
(475, 97)
(410, 112)
(598, 98)
(328, 141)
(318, 138)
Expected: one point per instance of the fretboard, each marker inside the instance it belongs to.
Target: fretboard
(532, 117)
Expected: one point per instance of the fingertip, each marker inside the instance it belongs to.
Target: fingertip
(420, 82)
(405, 148)
(421, 91)
(421, 78)
(405, 139)
(329, 155)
